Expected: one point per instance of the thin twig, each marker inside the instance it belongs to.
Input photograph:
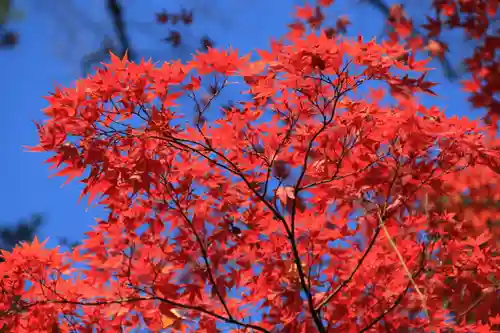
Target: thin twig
(397, 301)
(403, 264)
(477, 301)
(356, 268)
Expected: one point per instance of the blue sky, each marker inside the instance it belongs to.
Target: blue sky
(52, 42)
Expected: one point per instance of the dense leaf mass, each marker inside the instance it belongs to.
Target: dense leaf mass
(475, 20)
(313, 204)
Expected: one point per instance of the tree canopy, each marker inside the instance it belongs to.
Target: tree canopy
(326, 198)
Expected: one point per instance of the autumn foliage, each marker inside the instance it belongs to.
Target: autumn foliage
(475, 20)
(326, 199)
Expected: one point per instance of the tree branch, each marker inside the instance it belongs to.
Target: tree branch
(152, 298)
(403, 264)
(327, 121)
(485, 293)
(398, 299)
(116, 11)
(125, 300)
(356, 268)
(203, 252)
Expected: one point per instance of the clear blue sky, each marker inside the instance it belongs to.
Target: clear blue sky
(31, 70)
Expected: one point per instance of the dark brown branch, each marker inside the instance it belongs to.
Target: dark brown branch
(24, 305)
(116, 11)
(152, 298)
(289, 231)
(489, 291)
(382, 218)
(235, 170)
(336, 175)
(291, 236)
(398, 300)
(356, 268)
(203, 252)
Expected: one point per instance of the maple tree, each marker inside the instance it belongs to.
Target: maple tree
(314, 204)
(475, 20)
